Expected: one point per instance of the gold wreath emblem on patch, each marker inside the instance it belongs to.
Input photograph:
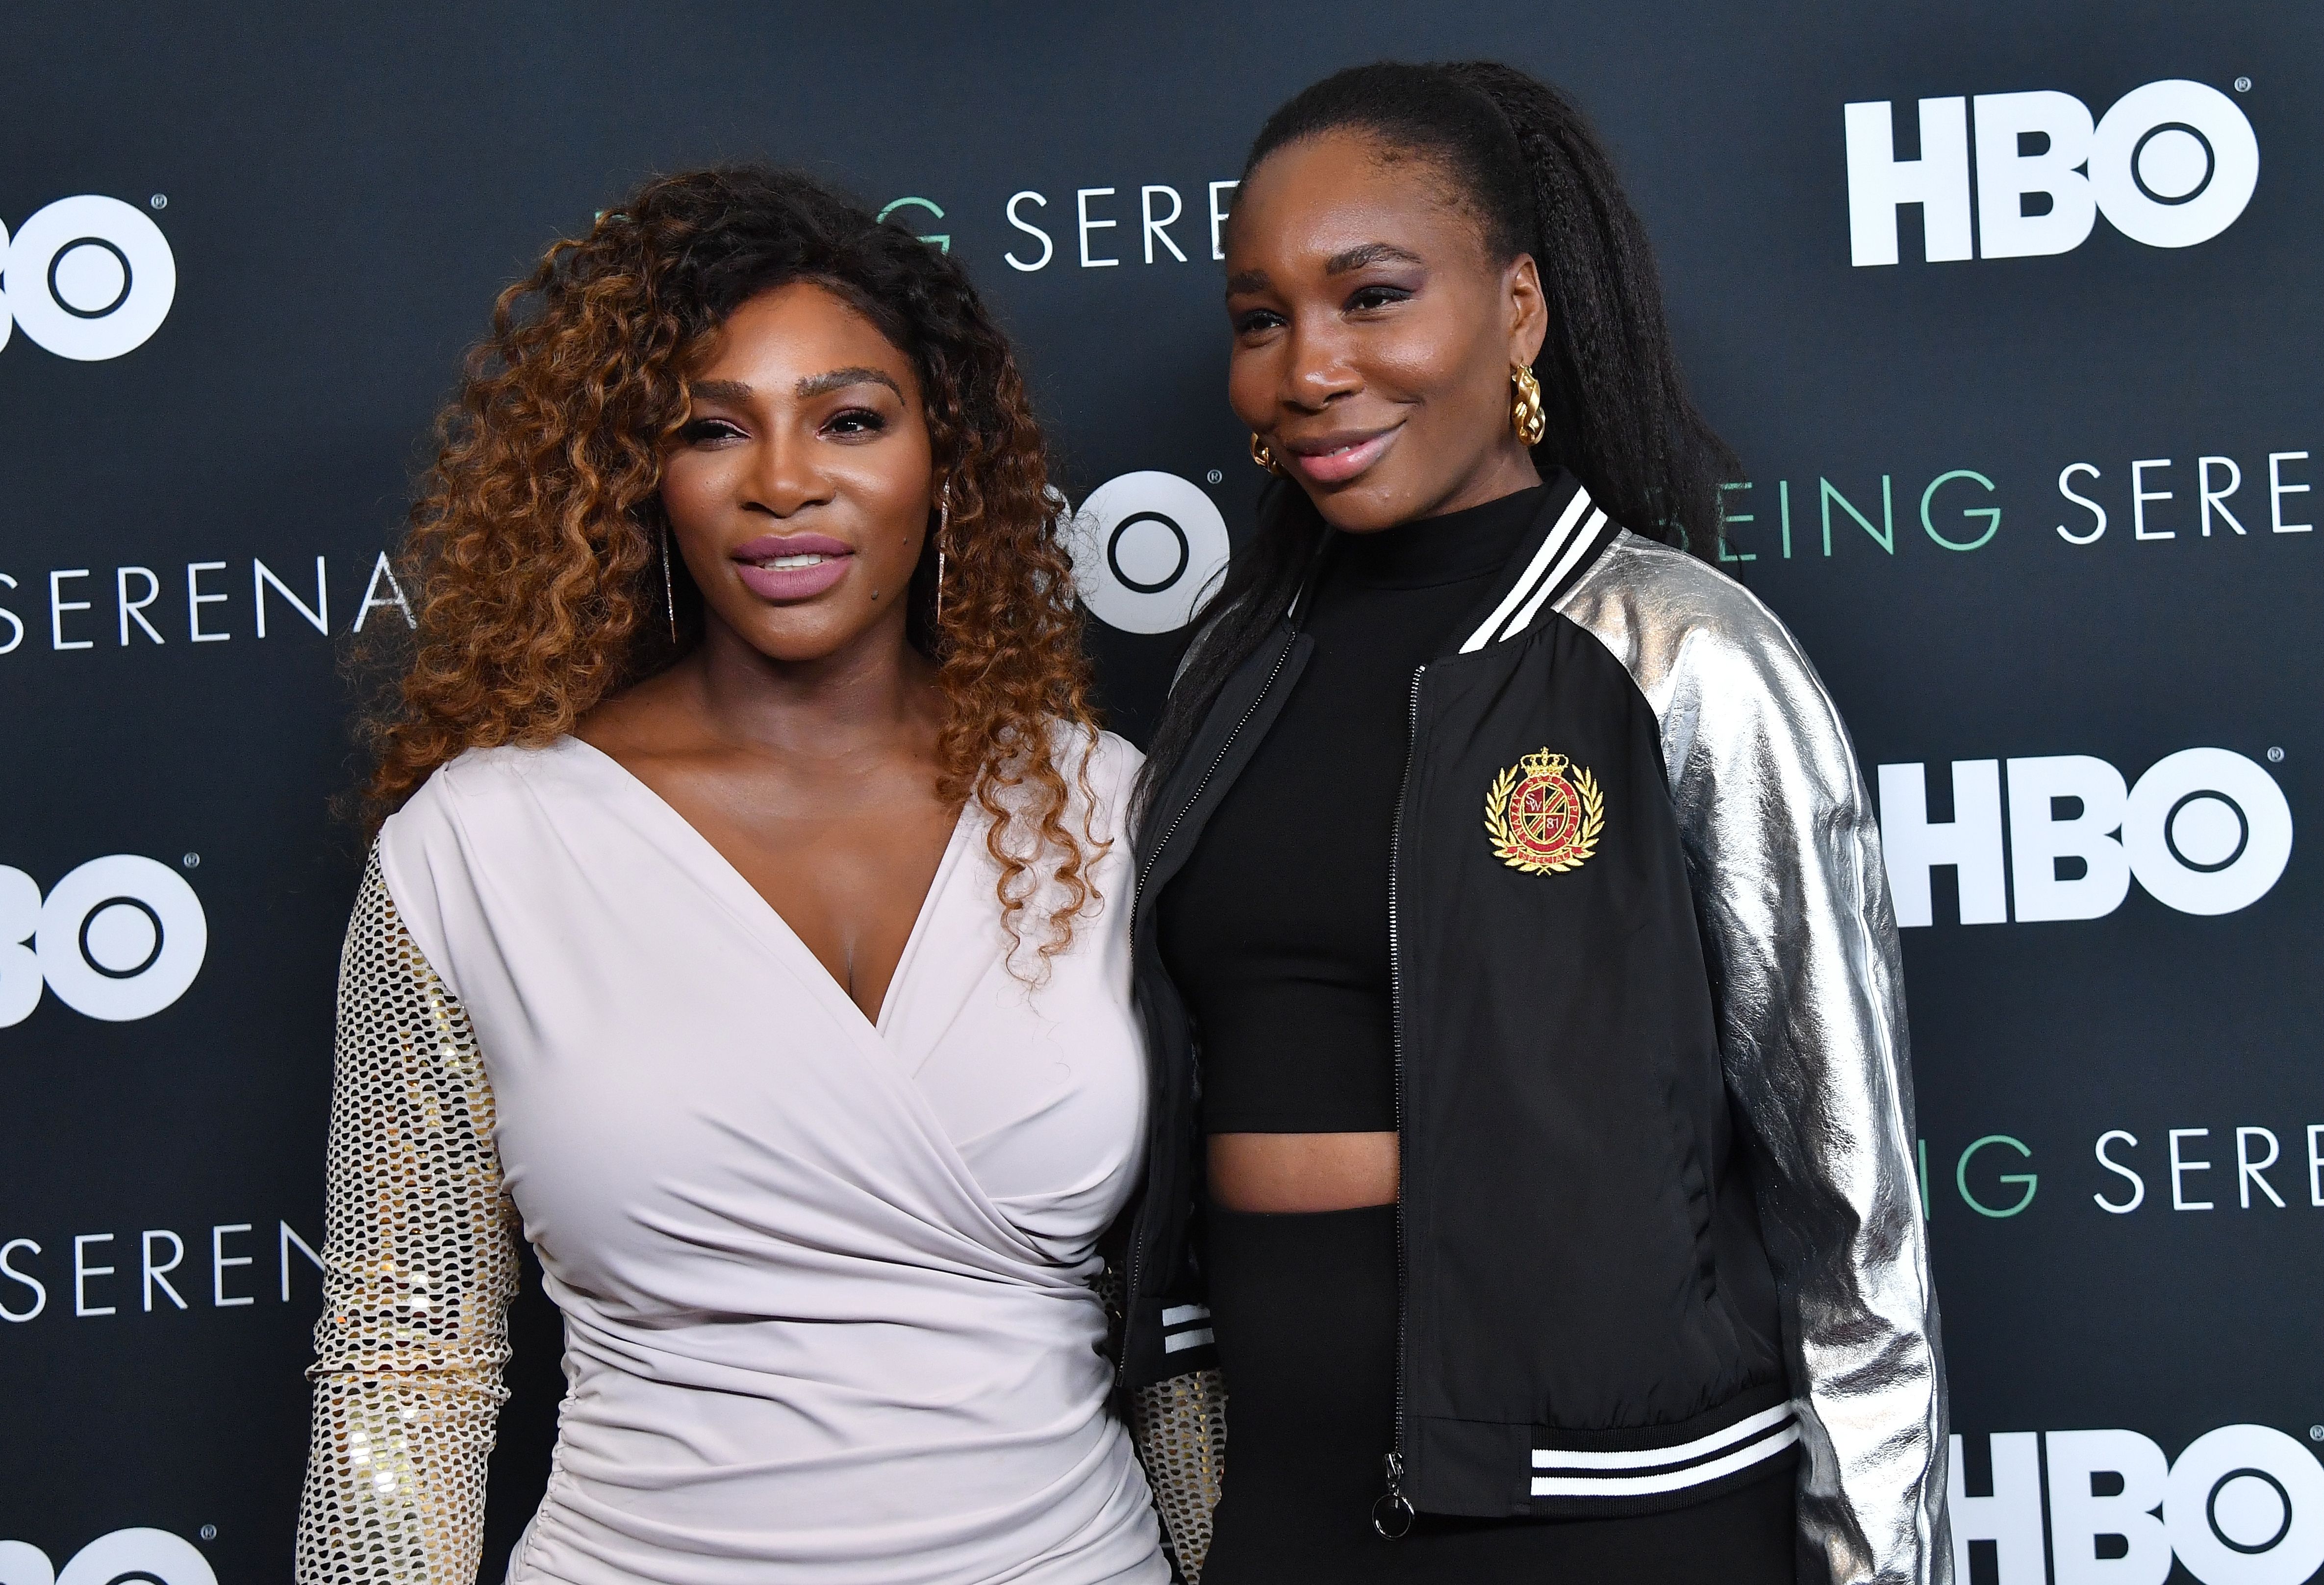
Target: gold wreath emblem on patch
(1544, 813)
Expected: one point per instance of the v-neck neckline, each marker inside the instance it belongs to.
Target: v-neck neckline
(726, 867)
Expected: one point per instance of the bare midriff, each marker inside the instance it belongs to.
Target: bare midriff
(1303, 1172)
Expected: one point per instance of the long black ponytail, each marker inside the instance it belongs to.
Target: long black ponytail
(1523, 160)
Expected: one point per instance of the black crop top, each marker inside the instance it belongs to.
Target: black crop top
(1276, 932)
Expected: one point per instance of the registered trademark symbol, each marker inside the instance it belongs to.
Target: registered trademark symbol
(2316, 1433)
(160, 201)
(192, 861)
(2276, 756)
(1214, 477)
(210, 1531)
(2242, 85)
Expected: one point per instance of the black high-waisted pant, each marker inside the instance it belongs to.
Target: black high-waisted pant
(1304, 1308)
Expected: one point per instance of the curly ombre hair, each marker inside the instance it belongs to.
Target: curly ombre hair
(534, 553)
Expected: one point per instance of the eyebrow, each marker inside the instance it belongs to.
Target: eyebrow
(1370, 253)
(841, 379)
(735, 392)
(1340, 263)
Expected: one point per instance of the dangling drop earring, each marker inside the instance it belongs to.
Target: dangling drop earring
(669, 588)
(944, 532)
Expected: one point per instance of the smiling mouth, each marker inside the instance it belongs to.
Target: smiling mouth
(1336, 465)
(796, 566)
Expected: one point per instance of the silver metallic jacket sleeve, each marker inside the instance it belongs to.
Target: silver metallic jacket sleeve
(419, 1263)
(1785, 853)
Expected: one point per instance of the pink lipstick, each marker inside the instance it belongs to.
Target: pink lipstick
(1334, 459)
(792, 567)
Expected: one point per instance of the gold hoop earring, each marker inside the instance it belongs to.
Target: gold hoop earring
(944, 532)
(669, 588)
(1265, 458)
(1526, 416)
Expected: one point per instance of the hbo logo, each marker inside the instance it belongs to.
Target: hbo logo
(2170, 165)
(120, 938)
(146, 1557)
(87, 278)
(2205, 831)
(1148, 549)
(2243, 1505)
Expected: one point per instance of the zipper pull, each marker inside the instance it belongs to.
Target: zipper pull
(1392, 1514)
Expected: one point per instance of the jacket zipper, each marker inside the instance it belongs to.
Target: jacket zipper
(1138, 1246)
(1392, 1513)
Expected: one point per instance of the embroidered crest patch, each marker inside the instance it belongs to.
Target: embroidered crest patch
(1544, 813)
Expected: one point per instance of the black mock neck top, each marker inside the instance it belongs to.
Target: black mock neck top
(1276, 931)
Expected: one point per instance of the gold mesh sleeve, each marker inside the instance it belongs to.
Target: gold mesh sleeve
(1180, 1426)
(419, 1263)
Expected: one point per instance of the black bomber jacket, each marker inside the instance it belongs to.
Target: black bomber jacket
(1658, 1224)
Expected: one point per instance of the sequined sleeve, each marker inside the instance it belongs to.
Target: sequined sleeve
(419, 1264)
(1180, 1427)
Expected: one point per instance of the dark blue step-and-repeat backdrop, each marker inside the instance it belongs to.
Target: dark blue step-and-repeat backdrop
(2011, 311)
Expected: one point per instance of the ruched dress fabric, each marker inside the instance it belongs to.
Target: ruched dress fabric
(826, 1283)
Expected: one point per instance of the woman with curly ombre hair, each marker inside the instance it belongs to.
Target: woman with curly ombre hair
(747, 928)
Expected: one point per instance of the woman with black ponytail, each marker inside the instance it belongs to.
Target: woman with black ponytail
(1531, 1152)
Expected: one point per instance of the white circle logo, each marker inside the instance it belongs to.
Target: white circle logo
(2245, 1507)
(89, 278)
(120, 938)
(2207, 830)
(2173, 163)
(1148, 549)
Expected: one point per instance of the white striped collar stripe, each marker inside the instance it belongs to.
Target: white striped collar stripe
(1550, 546)
(1179, 1315)
(1654, 1458)
(1742, 1458)
(1575, 552)
(1179, 1341)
